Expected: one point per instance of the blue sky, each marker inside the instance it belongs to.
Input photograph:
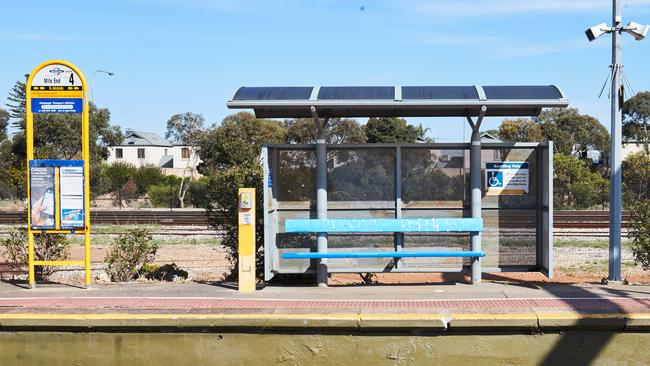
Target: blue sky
(173, 56)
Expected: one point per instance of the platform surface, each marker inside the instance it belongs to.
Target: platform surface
(418, 306)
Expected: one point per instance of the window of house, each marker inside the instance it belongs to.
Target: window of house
(140, 153)
(185, 153)
(118, 154)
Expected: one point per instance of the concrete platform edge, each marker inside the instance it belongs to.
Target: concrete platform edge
(305, 322)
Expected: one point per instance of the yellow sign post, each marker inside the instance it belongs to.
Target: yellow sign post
(246, 238)
(58, 190)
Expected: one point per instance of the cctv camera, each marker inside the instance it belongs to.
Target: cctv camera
(638, 31)
(596, 31)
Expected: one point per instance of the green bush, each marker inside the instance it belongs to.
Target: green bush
(47, 247)
(146, 176)
(165, 193)
(166, 272)
(162, 195)
(222, 195)
(128, 253)
(640, 233)
(198, 191)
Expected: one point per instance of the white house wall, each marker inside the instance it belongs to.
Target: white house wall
(152, 156)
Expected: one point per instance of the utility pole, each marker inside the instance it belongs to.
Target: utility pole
(615, 173)
(639, 32)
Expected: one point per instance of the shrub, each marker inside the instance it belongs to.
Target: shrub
(198, 191)
(222, 196)
(146, 176)
(636, 178)
(165, 192)
(47, 247)
(640, 233)
(129, 252)
(166, 272)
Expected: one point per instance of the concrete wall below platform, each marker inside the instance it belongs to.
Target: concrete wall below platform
(322, 347)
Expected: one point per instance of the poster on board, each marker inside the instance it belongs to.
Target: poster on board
(71, 183)
(42, 197)
(506, 178)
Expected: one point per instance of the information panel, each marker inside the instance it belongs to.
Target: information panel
(506, 178)
(57, 194)
(42, 197)
(71, 183)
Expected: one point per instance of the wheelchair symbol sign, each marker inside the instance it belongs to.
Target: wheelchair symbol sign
(506, 178)
(495, 180)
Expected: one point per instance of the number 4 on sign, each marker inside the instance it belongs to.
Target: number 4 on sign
(71, 79)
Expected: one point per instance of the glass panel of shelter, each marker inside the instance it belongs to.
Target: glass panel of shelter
(434, 182)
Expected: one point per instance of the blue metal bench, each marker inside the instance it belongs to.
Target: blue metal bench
(383, 226)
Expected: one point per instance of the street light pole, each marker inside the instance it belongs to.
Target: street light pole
(615, 174)
(617, 95)
(92, 82)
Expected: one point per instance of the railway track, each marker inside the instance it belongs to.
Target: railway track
(188, 217)
(579, 220)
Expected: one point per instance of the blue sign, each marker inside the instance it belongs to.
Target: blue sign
(57, 105)
(507, 178)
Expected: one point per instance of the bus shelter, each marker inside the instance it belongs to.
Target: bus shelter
(369, 183)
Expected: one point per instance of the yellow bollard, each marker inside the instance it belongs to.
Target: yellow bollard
(246, 231)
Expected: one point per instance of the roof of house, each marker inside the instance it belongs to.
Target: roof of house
(140, 138)
(166, 161)
(488, 137)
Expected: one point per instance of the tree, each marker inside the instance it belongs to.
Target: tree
(7, 190)
(236, 141)
(575, 185)
(520, 130)
(636, 178)
(636, 118)
(186, 129)
(338, 131)
(17, 97)
(120, 176)
(392, 129)
(571, 131)
(4, 123)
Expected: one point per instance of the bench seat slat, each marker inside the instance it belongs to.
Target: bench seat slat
(387, 254)
(383, 225)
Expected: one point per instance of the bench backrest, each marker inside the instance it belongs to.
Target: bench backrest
(383, 225)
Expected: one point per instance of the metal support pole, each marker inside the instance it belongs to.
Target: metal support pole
(476, 190)
(321, 196)
(398, 238)
(615, 205)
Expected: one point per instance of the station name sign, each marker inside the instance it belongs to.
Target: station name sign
(56, 88)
